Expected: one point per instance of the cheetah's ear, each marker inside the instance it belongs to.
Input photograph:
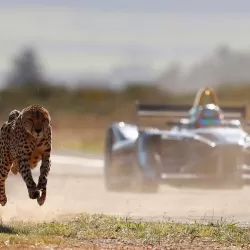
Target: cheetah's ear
(15, 111)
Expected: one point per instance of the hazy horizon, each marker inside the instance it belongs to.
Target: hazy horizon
(93, 36)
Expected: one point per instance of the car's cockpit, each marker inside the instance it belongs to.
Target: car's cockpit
(208, 115)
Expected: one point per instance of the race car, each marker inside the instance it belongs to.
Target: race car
(204, 148)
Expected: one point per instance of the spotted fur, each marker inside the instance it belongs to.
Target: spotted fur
(25, 139)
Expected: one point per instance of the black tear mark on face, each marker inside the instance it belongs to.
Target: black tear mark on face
(37, 114)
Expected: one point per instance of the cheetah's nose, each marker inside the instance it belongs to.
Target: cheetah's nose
(38, 130)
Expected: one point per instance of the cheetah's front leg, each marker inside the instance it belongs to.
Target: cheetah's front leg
(24, 170)
(42, 181)
(4, 171)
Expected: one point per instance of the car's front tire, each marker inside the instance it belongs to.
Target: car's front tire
(146, 172)
(110, 178)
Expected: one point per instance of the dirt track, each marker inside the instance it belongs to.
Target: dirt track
(70, 194)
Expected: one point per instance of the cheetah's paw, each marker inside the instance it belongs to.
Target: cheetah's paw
(34, 194)
(3, 200)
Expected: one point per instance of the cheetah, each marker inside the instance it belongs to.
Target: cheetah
(25, 139)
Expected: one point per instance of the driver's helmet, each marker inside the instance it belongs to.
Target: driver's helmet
(209, 115)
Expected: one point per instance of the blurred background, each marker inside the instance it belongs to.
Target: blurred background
(88, 61)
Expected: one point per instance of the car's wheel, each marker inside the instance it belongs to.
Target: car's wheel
(112, 177)
(143, 185)
(236, 181)
(232, 178)
(145, 176)
(111, 184)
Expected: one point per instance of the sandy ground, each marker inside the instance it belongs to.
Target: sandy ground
(73, 193)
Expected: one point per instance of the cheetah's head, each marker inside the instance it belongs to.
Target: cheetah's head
(36, 120)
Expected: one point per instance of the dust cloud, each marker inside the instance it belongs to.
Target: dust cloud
(69, 195)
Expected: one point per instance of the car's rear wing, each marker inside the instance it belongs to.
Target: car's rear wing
(230, 112)
(161, 110)
(170, 112)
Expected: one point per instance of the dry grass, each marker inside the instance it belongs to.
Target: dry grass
(84, 133)
(88, 140)
(105, 232)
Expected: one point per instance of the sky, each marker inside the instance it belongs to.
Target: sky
(98, 35)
